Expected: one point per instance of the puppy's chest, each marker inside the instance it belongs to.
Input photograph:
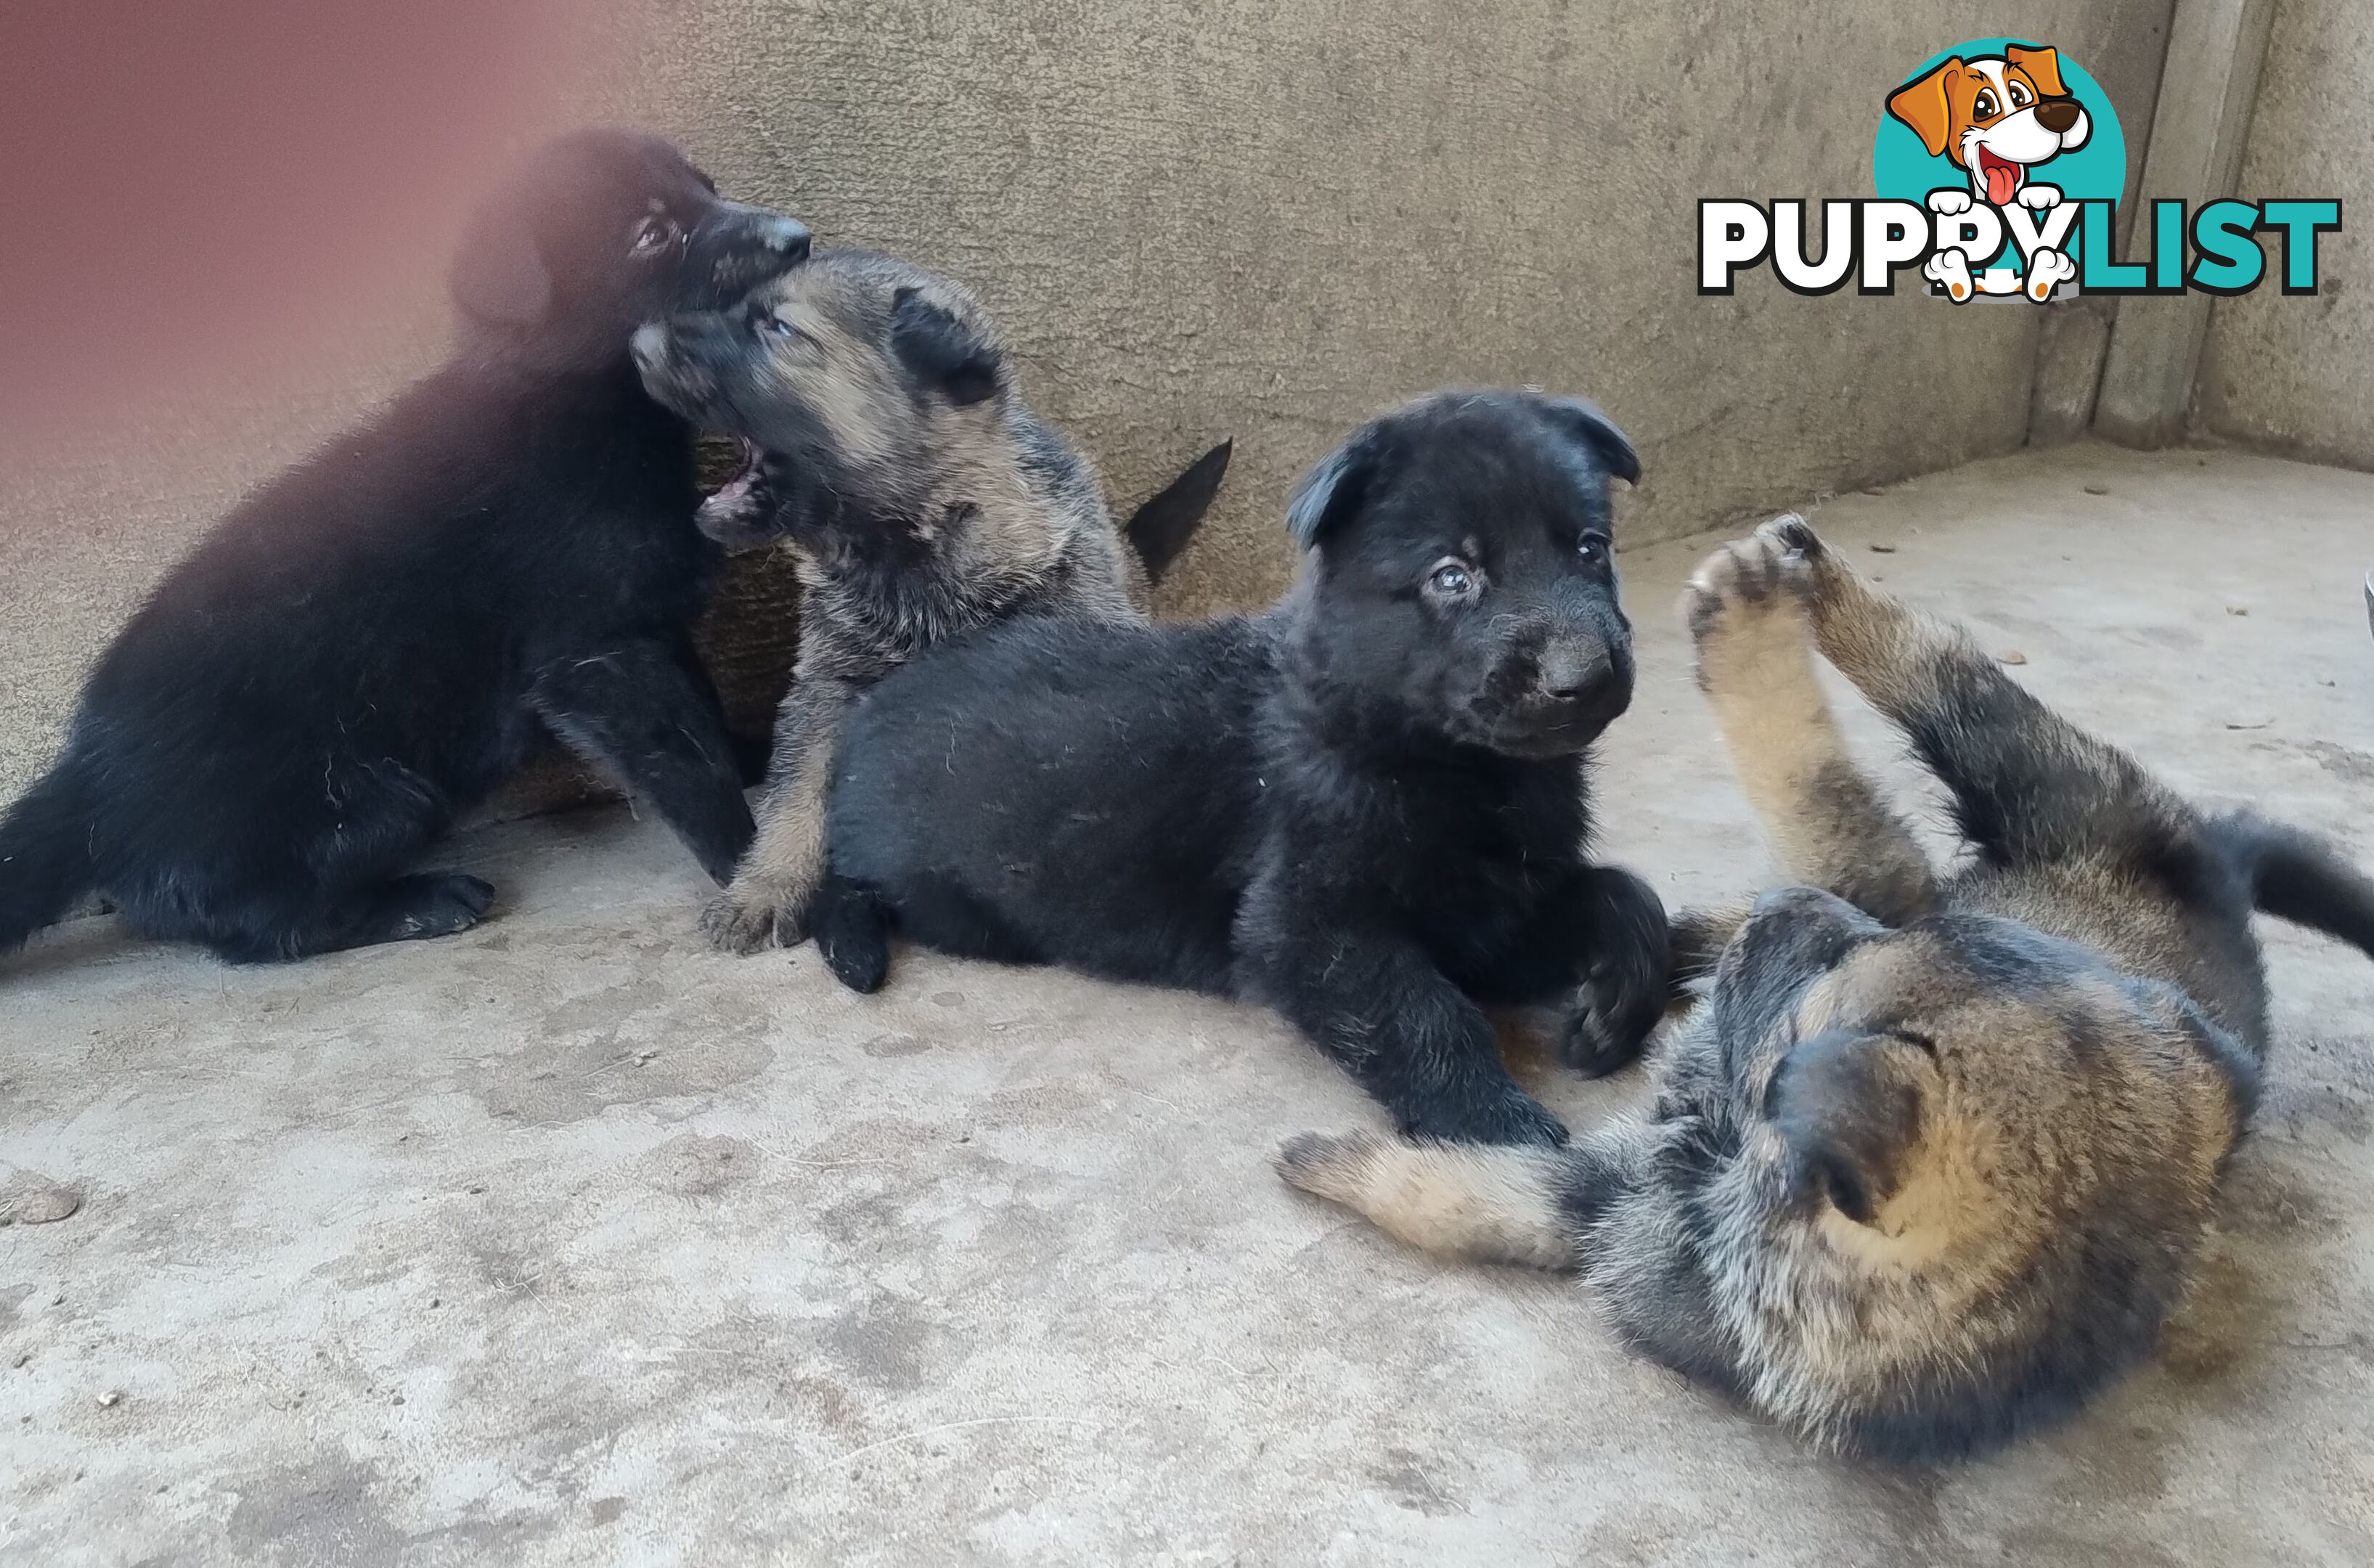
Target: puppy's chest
(1468, 854)
(876, 606)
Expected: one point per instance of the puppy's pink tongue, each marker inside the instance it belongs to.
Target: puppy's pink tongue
(2001, 181)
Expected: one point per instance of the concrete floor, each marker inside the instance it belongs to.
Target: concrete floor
(568, 1241)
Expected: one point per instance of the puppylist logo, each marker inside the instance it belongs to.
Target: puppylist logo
(1999, 166)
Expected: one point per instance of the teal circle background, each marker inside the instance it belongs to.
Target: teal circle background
(1902, 170)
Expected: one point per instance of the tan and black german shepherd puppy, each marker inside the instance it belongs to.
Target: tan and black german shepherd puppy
(1933, 1160)
(889, 448)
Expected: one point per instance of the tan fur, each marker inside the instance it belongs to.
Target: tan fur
(1000, 536)
(1932, 1158)
(1486, 1205)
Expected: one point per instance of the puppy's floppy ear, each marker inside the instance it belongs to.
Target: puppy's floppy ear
(499, 275)
(1848, 1104)
(1585, 422)
(2043, 64)
(1334, 490)
(1920, 103)
(943, 351)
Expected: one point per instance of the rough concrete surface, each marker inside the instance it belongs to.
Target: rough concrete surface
(2292, 375)
(566, 1241)
(1248, 218)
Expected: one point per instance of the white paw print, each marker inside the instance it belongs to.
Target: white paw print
(2039, 197)
(1951, 268)
(2046, 270)
(1948, 201)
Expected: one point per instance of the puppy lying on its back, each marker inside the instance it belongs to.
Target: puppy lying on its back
(370, 642)
(1932, 1162)
(887, 445)
(1367, 808)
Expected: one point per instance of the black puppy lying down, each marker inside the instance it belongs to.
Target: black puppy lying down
(1366, 808)
(372, 640)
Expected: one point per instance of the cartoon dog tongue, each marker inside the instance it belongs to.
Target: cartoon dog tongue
(2001, 176)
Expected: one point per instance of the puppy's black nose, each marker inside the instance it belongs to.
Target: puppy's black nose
(2057, 114)
(1570, 670)
(786, 236)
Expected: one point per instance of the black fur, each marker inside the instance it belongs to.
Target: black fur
(372, 640)
(1366, 808)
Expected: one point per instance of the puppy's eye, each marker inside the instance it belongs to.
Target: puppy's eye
(1592, 548)
(766, 323)
(2019, 95)
(1984, 109)
(653, 235)
(1452, 581)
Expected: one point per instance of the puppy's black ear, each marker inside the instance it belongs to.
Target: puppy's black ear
(499, 275)
(1334, 490)
(1848, 1106)
(1598, 432)
(941, 350)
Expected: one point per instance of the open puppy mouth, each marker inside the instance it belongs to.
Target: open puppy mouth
(2001, 176)
(737, 511)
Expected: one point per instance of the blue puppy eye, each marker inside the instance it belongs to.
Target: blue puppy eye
(1451, 579)
(775, 326)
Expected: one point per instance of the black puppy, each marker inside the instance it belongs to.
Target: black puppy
(1366, 808)
(373, 640)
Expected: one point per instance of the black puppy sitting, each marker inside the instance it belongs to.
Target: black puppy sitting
(1366, 807)
(372, 640)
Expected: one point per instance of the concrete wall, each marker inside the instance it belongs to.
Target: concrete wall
(2297, 376)
(1258, 218)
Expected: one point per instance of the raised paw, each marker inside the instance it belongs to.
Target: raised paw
(1948, 200)
(1740, 585)
(735, 922)
(2038, 197)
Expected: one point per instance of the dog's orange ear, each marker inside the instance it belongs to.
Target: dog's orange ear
(2042, 66)
(1920, 103)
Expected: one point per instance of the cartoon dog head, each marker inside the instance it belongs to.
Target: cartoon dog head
(1995, 115)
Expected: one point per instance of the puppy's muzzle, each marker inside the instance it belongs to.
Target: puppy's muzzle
(735, 248)
(1585, 682)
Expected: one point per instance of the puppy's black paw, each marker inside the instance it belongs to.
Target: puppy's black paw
(853, 932)
(435, 903)
(1625, 989)
(1508, 1115)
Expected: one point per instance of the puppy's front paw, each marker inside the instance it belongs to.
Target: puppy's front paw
(1624, 991)
(737, 922)
(1949, 201)
(2039, 198)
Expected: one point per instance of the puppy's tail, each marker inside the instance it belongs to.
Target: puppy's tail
(2298, 877)
(45, 859)
(1485, 1203)
(1160, 529)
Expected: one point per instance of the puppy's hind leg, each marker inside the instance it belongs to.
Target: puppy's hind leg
(2028, 787)
(1754, 663)
(1483, 1203)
